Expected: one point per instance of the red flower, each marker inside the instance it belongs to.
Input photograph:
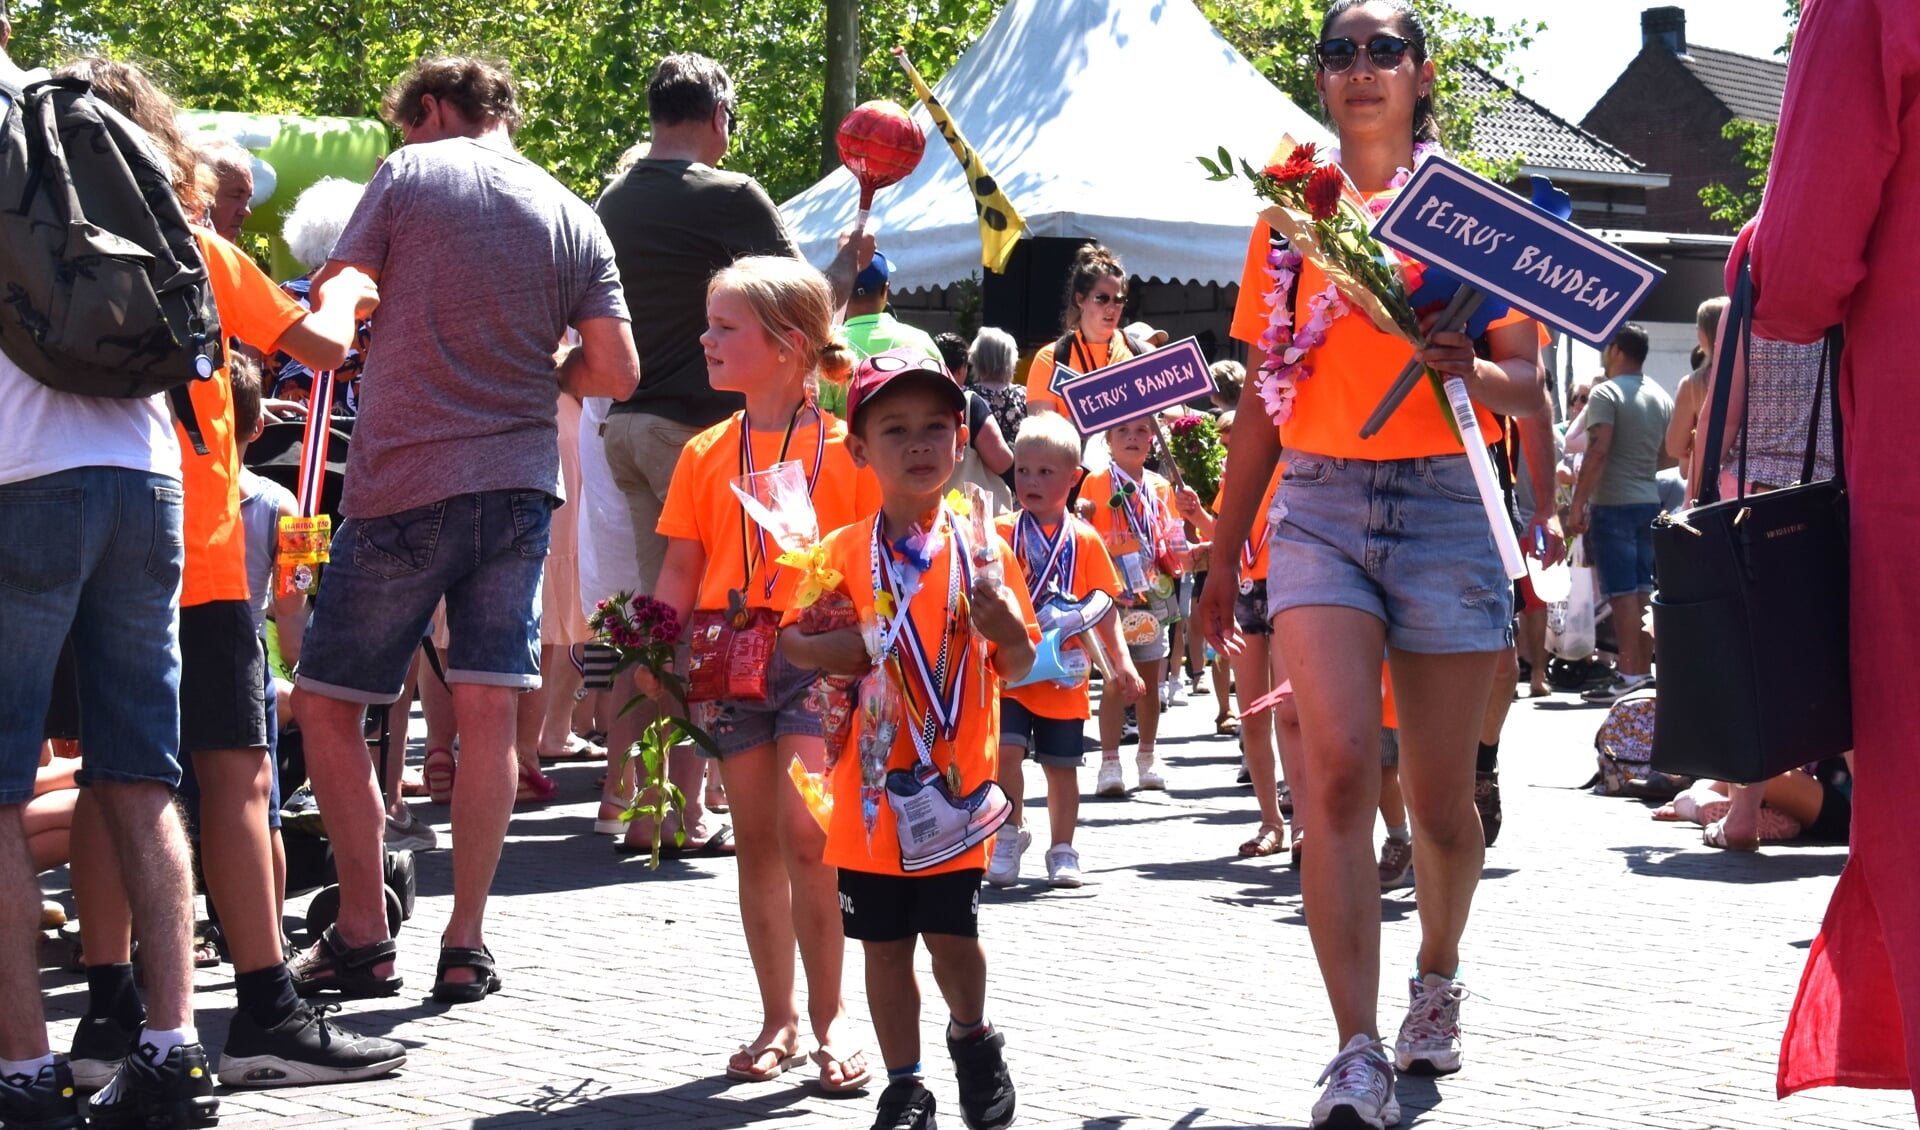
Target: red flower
(1323, 192)
(1297, 166)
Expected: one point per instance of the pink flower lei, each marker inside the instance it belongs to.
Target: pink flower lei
(1288, 349)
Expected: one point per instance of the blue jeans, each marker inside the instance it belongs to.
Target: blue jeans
(1404, 540)
(94, 553)
(1620, 541)
(482, 552)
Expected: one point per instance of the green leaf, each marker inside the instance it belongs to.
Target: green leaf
(1209, 166)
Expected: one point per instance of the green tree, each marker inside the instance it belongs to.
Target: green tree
(1732, 205)
(583, 65)
(1278, 37)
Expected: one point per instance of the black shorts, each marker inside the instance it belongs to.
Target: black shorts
(223, 673)
(1834, 825)
(892, 908)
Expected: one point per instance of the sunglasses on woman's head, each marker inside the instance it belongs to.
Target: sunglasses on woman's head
(1385, 52)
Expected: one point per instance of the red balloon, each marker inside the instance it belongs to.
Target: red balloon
(880, 144)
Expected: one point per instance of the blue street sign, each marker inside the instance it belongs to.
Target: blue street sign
(1139, 386)
(1507, 246)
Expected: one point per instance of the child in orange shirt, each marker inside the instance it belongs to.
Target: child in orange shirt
(1058, 553)
(1132, 509)
(938, 632)
(769, 321)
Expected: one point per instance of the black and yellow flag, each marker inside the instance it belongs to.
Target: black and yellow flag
(1000, 224)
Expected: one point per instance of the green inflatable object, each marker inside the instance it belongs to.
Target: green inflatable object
(300, 150)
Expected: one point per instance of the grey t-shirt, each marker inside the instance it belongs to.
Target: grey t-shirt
(1639, 410)
(484, 262)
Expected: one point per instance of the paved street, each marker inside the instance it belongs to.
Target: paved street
(1622, 975)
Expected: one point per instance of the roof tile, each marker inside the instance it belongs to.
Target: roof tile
(1520, 127)
(1747, 86)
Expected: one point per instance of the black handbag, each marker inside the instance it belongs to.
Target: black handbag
(1751, 615)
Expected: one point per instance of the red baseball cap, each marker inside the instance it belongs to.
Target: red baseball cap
(895, 369)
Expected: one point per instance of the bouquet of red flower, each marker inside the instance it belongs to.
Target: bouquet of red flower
(1325, 220)
(642, 632)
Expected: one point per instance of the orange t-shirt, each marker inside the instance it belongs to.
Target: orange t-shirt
(1350, 372)
(975, 747)
(1091, 570)
(1084, 359)
(1117, 531)
(255, 310)
(1389, 717)
(701, 507)
(1254, 566)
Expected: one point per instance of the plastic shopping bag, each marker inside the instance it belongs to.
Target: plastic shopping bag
(1570, 622)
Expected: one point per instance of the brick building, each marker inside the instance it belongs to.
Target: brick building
(1667, 109)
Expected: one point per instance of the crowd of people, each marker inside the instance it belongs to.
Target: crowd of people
(547, 403)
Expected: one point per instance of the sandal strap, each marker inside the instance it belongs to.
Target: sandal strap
(357, 957)
(459, 957)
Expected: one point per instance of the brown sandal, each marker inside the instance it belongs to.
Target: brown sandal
(1268, 842)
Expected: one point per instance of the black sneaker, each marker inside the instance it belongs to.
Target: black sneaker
(306, 1047)
(44, 1102)
(986, 1090)
(99, 1044)
(177, 1093)
(906, 1104)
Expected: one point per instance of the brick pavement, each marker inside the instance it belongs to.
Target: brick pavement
(1623, 976)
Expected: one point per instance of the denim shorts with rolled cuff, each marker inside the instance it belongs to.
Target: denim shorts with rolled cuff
(93, 554)
(1620, 541)
(788, 711)
(1404, 540)
(483, 552)
(1049, 741)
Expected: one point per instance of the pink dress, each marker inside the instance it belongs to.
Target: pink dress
(1835, 242)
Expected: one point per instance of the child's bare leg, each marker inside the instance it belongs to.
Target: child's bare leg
(1063, 801)
(893, 997)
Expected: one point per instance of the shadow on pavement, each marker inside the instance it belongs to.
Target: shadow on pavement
(700, 1104)
(1773, 864)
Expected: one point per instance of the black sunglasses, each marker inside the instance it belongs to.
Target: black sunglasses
(733, 118)
(1385, 52)
(1102, 299)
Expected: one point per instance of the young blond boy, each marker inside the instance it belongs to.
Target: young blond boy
(1058, 554)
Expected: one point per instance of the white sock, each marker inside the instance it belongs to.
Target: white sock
(29, 1069)
(1109, 755)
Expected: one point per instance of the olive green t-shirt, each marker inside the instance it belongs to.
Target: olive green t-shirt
(1639, 411)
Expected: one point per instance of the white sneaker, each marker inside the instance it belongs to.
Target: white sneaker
(1175, 693)
(1360, 1093)
(1149, 765)
(1429, 1040)
(411, 834)
(1110, 782)
(1063, 866)
(1008, 846)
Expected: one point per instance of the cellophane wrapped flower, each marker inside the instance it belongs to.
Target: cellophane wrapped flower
(642, 633)
(1197, 451)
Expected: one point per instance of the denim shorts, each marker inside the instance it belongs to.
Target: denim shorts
(1404, 540)
(1620, 542)
(94, 554)
(482, 552)
(1049, 741)
(789, 710)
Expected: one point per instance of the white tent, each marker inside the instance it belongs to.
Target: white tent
(1090, 114)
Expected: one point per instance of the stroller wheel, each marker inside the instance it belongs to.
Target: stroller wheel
(324, 910)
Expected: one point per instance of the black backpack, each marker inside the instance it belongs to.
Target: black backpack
(102, 288)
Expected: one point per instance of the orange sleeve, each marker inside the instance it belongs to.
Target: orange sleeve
(1250, 309)
(1093, 565)
(1039, 378)
(253, 308)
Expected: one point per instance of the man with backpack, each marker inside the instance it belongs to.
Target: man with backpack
(90, 499)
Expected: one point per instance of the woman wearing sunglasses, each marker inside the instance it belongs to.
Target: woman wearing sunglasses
(1379, 547)
(1096, 295)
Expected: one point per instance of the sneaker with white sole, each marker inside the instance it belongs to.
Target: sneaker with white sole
(1111, 781)
(1617, 687)
(1396, 864)
(1175, 692)
(1063, 866)
(1008, 846)
(1359, 1094)
(1429, 1040)
(1148, 763)
(938, 825)
(304, 1048)
(411, 834)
